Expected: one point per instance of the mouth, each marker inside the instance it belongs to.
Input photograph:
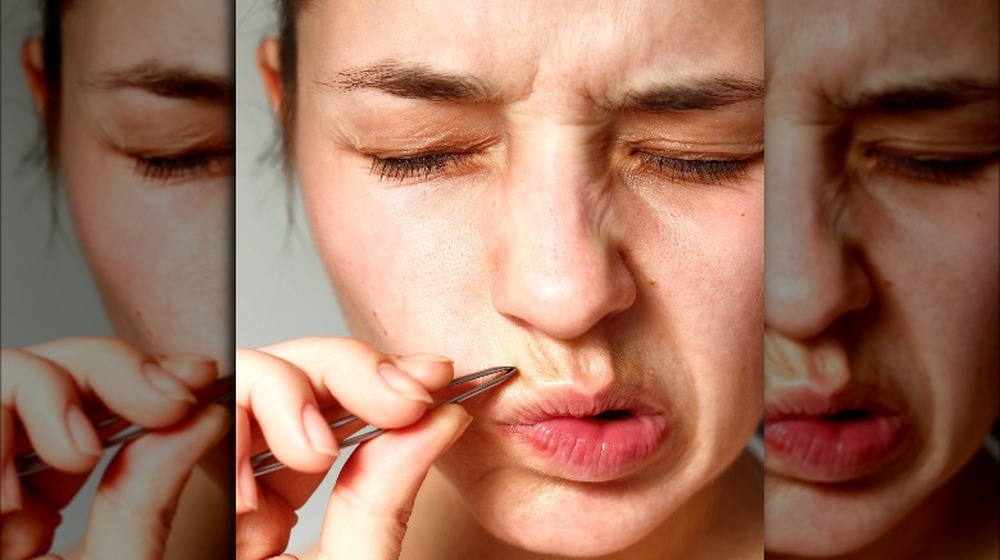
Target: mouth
(831, 439)
(588, 440)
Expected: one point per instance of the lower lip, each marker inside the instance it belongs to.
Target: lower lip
(819, 449)
(589, 449)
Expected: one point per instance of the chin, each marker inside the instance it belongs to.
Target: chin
(566, 518)
(811, 522)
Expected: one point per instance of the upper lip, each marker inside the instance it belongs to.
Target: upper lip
(521, 407)
(807, 402)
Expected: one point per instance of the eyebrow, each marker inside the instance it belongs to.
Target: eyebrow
(703, 94)
(411, 82)
(177, 82)
(933, 96)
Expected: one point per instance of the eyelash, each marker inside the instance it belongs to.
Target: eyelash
(422, 166)
(703, 171)
(928, 170)
(184, 167)
(709, 172)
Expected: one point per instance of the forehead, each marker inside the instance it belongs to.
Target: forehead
(591, 47)
(100, 35)
(843, 48)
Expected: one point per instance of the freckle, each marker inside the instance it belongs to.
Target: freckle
(743, 214)
(888, 283)
(385, 332)
(374, 314)
(652, 282)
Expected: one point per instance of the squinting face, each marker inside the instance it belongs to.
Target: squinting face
(882, 262)
(146, 152)
(573, 189)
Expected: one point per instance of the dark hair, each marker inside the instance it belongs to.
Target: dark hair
(52, 13)
(288, 10)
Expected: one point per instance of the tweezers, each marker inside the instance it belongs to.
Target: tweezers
(260, 463)
(30, 463)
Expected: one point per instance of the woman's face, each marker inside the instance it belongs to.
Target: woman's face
(882, 262)
(575, 189)
(146, 152)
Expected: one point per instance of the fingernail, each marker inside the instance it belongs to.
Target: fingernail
(83, 434)
(189, 368)
(165, 359)
(248, 486)
(166, 383)
(427, 358)
(403, 384)
(318, 431)
(11, 489)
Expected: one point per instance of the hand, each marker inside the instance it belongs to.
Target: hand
(47, 389)
(282, 394)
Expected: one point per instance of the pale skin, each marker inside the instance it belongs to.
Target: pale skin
(147, 172)
(882, 265)
(555, 212)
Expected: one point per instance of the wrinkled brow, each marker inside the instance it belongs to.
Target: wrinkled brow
(169, 81)
(931, 96)
(411, 82)
(699, 94)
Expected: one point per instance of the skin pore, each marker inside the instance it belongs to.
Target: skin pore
(882, 270)
(576, 189)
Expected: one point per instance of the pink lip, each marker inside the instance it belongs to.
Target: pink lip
(830, 439)
(588, 439)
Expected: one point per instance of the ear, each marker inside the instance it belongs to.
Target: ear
(33, 64)
(269, 65)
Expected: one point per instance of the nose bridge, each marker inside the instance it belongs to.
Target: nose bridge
(560, 267)
(812, 273)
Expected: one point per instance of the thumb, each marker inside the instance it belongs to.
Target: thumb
(138, 494)
(372, 500)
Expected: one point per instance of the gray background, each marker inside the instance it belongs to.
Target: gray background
(46, 291)
(282, 290)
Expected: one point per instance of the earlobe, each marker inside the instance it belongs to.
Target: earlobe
(269, 64)
(33, 64)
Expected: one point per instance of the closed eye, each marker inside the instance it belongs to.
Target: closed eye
(185, 167)
(940, 170)
(695, 170)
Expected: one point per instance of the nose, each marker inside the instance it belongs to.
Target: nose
(813, 272)
(560, 261)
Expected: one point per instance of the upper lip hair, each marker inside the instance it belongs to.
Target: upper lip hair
(805, 401)
(525, 405)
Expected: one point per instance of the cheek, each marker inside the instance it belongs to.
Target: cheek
(161, 255)
(397, 267)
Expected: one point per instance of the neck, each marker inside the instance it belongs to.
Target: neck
(723, 520)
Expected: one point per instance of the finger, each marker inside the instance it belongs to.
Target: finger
(359, 377)
(44, 397)
(10, 486)
(264, 532)
(138, 494)
(246, 486)
(133, 385)
(280, 398)
(28, 532)
(370, 504)
(433, 371)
